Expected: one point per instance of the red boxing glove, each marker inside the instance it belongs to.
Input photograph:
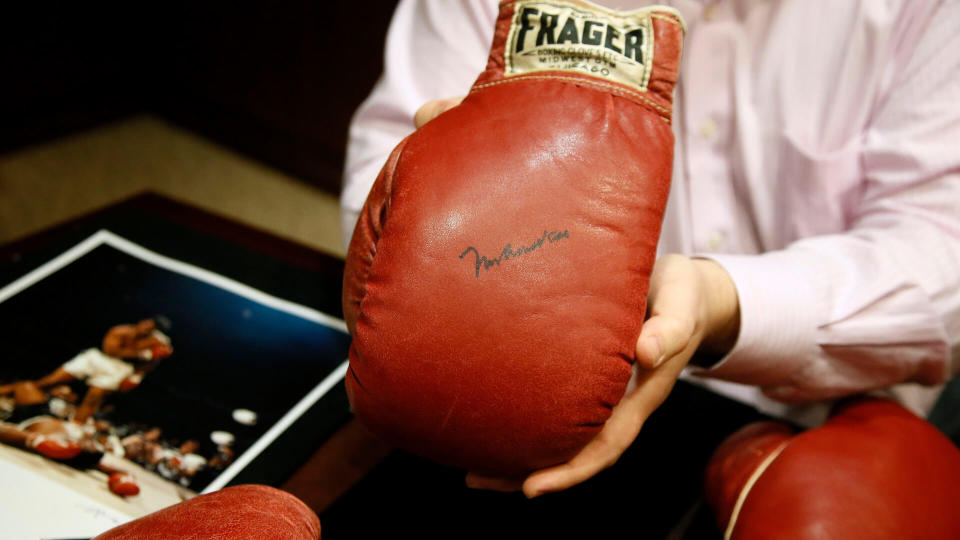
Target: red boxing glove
(123, 484)
(496, 281)
(249, 511)
(54, 446)
(873, 471)
(160, 351)
(131, 382)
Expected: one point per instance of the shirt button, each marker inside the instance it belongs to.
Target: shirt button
(708, 129)
(716, 240)
(710, 12)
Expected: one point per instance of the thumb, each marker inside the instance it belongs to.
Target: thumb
(662, 338)
(674, 304)
(432, 109)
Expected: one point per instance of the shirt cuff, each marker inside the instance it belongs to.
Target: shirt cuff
(779, 315)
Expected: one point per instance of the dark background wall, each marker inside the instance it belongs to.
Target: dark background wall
(277, 81)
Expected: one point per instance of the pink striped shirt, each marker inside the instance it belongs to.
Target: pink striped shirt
(817, 160)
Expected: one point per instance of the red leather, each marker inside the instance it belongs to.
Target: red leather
(160, 351)
(131, 382)
(510, 365)
(250, 511)
(736, 459)
(123, 484)
(56, 447)
(873, 471)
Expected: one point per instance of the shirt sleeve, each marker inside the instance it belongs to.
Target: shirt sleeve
(434, 49)
(880, 303)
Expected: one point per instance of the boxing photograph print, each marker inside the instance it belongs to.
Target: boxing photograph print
(130, 381)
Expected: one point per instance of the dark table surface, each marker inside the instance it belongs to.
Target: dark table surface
(360, 487)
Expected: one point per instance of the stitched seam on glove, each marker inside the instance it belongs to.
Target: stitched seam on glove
(742, 497)
(604, 87)
(388, 196)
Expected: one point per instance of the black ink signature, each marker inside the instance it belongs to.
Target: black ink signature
(509, 253)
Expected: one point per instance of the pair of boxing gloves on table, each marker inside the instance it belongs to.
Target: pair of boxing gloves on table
(497, 277)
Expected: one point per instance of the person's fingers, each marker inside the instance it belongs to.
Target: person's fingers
(478, 481)
(663, 337)
(675, 304)
(599, 454)
(651, 389)
(433, 109)
(606, 448)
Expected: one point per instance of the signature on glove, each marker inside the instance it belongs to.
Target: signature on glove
(509, 253)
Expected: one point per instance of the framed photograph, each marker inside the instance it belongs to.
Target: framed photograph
(218, 373)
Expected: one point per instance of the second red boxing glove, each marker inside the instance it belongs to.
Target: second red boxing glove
(873, 471)
(496, 281)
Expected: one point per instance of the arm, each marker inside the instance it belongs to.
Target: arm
(878, 304)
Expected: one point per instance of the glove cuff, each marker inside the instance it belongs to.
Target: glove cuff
(633, 54)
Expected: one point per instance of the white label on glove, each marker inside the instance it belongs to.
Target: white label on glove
(580, 38)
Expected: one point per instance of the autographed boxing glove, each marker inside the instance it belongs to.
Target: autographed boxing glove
(873, 471)
(496, 281)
